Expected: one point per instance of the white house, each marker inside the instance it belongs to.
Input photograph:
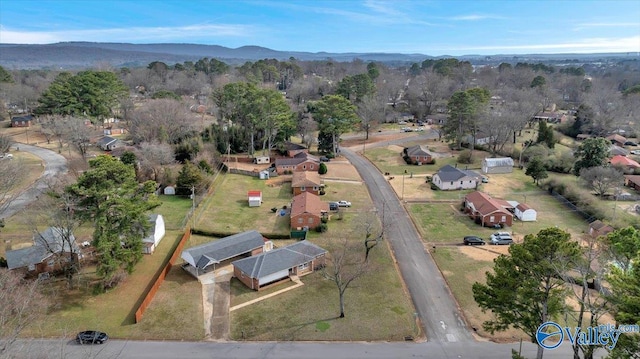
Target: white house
(156, 233)
(255, 198)
(525, 213)
(497, 165)
(451, 178)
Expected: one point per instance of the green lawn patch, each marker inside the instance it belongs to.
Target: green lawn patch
(173, 209)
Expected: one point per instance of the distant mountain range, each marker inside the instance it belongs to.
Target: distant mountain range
(73, 55)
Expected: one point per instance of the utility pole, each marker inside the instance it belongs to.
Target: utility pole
(193, 206)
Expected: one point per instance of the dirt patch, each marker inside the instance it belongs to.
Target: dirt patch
(341, 169)
(480, 254)
(411, 188)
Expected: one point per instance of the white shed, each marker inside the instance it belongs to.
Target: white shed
(264, 174)
(255, 198)
(169, 190)
(156, 233)
(497, 165)
(525, 213)
(261, 160)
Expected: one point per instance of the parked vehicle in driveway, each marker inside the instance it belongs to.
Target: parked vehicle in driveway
(473, 240)
(324, 159)
(501, 238)
(635, 152)
(630, 143)
(344, 204)
(333, 206)
(91, 337)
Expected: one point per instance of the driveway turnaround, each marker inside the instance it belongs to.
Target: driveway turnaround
(436, 308)
(55, 165)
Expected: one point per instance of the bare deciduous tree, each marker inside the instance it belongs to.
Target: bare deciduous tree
(12, 173)
(22, 303)
(371, 112)
(153, 157)
(601, 179)
(162, 120)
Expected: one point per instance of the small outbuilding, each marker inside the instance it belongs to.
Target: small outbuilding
(264, 175)
(261, 160)
(156, 233)
(525, 213)
(497, 165)
(169, 191)
(255, 198)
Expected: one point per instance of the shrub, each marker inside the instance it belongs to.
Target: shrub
(324, 220)
(434, 187)
(322, 169)
(432, 161)
(465, 157)
(322, 192)
(322, 228)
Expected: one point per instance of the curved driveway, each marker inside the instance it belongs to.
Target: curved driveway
(436, 308)
(55, 165)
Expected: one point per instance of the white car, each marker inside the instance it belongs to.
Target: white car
(6, 155)
(344, 204)
(635, 152)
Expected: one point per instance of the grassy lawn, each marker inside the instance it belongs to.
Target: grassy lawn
(376, 308)
(170, 316)
(173, 210)
(461, 267)
(228, 210)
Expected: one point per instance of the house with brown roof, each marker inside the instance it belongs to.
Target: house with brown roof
(617, 139)
(525, 213)
(627, 164)
(293, 149)
(306, 181)
(488, 211)
(300, 162)
(307, 210)
(550, 117)
(597, 228)
(632, 181)
(418, 154)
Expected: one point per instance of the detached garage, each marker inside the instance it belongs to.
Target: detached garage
(525, 213)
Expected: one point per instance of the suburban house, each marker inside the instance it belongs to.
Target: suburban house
(419, 154)
(616, 139)
(452, 178)
(108, 143)
(21, 121)
(50, 247)
(618, 151)
(525, 213)
(488, 211)
(300, 162)
(295, 259)
(113, 130)
(306, 182)
(206, 257)
(255, 198)
(293, 149)
(626, 163)
(632, 181)
(307, 210)
(156, 233)
(497, 165)
(481, 138)
(597, 228)
(550, 117)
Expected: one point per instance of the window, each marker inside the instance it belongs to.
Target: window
(303, 266)
(492, 218)
(303, 188)
(310, 220)
(51, 263)
(315, 188)
(504, 219)
(311, 166)
(304, 167)
(452, 183)
(300, 220)
(461, 182)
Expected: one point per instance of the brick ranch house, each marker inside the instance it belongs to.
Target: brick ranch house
(306, 181)
(488, 211)
(307, 210)
(300, 162)
(296, 259)
(51, 248)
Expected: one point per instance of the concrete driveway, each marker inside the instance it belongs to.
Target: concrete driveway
(216, 296)
(55, 165)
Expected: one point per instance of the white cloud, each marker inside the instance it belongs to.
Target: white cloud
(476, 17)
(133, 34)
(590, 25)
(587, 45)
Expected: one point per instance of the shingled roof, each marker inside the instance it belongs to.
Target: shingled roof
(449, 173)
(228, 247)
(305, 179)
(271, 262)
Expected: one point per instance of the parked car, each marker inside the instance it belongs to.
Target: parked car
(485, 179)
(501, 238)
(344, 204)
(630, 143)
(6, 155)
(473, 240)
(407, 129)
(325, 159)
(333, 206)
(91, 337)
(402, 122)
(635, 152)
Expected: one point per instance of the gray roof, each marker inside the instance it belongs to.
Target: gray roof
(418, 150)
(298, 159)
(279, 259)
(106, 140)
(617, 150)
(228, 247)
(449, 173)
(499, 162)
(47, 242)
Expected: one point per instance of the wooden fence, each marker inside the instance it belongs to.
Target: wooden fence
(163, 274)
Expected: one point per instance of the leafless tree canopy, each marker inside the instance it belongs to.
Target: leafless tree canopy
(12, 175)
(162, 121)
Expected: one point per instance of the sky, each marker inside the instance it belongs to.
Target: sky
(453, 27)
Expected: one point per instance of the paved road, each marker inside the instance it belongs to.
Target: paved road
(55, 165)
(278, 350)
(436, 308)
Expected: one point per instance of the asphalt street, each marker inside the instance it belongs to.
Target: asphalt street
(54, 165)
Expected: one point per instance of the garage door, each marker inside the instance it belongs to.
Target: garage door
(274, 277)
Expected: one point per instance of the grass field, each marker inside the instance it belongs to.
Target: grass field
(376, 308)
